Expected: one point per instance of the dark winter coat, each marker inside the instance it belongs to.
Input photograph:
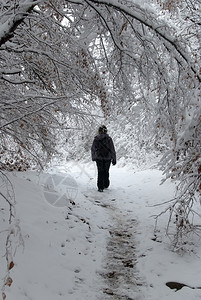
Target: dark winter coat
(111, 155)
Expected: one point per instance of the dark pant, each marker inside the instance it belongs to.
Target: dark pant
(103, 174)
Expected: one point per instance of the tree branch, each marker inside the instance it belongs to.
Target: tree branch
(12, 23)
(155, 26)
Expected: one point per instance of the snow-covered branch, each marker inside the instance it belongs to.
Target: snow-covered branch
(10, 23)
(149, 19)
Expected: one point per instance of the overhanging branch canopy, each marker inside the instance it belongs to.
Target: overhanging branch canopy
(149, 19)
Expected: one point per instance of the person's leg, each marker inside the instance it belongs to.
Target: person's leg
(100, 180)
(106, 174)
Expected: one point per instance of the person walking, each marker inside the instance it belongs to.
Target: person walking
(103, 153)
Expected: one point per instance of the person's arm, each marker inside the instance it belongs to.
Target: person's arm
(93, 148)
(113, 152)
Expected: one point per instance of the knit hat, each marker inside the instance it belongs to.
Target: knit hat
(102, 129)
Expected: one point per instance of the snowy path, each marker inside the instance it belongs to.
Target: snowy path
(100, 246)
(121, 279)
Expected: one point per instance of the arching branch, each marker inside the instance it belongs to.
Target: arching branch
(139, 14)
(11, 24)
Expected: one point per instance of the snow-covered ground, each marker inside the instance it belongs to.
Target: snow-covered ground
(97, 245)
